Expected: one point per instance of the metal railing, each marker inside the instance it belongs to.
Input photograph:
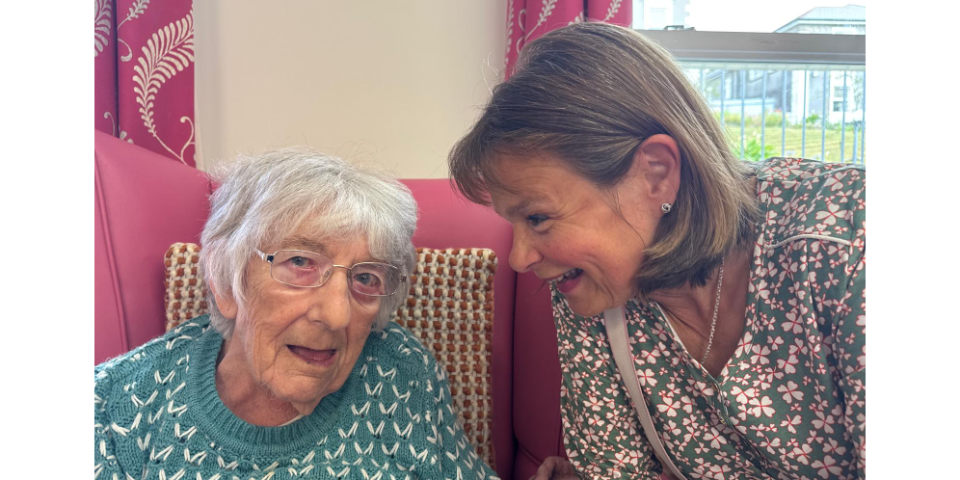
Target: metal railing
(779, 94)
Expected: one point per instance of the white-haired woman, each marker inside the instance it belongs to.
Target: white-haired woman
(297, 371)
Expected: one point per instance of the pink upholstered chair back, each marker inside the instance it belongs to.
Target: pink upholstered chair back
(145, 202)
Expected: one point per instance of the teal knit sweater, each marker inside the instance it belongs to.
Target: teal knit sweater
(158, 416)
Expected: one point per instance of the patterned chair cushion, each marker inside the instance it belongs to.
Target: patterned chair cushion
(450, 308)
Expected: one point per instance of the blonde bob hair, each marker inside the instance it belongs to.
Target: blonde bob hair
(590, 94)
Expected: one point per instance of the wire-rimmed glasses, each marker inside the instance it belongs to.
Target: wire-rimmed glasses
(301, 268)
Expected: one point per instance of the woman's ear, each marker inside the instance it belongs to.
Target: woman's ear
(660, 158)
(655, 170)
(225, 303)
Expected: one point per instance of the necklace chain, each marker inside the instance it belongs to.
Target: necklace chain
(713, 321)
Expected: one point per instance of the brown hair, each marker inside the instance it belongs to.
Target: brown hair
(589, 94)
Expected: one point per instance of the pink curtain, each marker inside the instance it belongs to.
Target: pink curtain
(529, 19)
(144, 74)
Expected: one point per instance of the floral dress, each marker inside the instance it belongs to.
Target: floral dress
(790, 402)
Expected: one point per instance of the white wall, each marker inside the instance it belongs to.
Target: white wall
(388, 83)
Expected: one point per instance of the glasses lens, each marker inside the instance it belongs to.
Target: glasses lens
(300, 268)
(373, 278)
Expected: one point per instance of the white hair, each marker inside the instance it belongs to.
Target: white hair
(263, 199)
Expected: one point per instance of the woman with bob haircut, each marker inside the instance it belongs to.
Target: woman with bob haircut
(298, 371)
(709, 312)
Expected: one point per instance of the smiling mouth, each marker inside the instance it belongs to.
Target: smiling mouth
(568, 280)
(315, 357)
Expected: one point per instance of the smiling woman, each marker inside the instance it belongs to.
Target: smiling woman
(710, 314)
(297, 368)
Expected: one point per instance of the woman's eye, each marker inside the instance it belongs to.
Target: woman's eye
(367, 279)
(301, 262)
(536, 219)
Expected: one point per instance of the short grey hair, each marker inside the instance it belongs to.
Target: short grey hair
(262, 199)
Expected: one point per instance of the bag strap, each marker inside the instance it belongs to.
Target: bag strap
(616, 325)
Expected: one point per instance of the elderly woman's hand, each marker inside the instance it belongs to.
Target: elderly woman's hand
(555, 468)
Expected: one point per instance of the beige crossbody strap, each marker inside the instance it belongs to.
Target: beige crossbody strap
(616, 325)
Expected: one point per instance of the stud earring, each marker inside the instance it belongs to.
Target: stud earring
(665, 207)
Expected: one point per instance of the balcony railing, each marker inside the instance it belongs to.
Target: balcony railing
(779, 93)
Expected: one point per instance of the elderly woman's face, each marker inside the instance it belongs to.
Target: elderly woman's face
(300, 344)
(567, 231)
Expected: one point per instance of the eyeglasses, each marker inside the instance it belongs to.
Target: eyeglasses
(300, 268)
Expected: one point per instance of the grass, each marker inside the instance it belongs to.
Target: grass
(794, 144)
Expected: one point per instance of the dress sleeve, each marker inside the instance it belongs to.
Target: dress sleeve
(599, 458)
(457, 457)
(602, 434)
(850, 371)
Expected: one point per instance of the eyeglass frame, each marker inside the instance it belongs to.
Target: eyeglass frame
(269, 257)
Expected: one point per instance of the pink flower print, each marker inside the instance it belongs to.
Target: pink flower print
(579, 357)
(827, 468)
(832, 446)
(703, 387)
(823, 421)
(792, 323)
(593, 403)
(591, 437)
(691, 426)
(713, 436)
(762, 407)
(686, 404)
(790, 392)
(834, 183)
(650, 356)
(791, 423)
(577, 380)
(760, 353)
(831, 214)
(669, 406)
(777, 195)
(799, 347)
(647, 377)
(743, 396)
(762, 291)
(772, 445)
(622, 458)
(802, 454)
(744, 344)
(673, 428)
(719, 472)
(763, 380)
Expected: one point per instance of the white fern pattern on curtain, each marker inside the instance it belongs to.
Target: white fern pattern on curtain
(529, 19)
(144, 74)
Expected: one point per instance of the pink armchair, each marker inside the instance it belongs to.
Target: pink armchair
(145, 202)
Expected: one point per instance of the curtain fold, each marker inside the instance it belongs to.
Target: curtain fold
(529, 19)
(143, 68)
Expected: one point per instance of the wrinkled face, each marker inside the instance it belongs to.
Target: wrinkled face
(300, 344)
(567, 230)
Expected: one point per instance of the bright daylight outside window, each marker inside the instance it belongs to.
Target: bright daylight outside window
(785, 77)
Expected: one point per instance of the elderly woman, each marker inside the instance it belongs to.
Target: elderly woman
(298, 371)
(709, 313)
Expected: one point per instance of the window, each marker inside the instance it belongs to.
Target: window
(775, 92)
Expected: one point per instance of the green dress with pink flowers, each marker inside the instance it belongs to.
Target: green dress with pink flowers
(790, 402)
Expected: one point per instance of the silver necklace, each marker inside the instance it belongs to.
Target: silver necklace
(713, 321)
